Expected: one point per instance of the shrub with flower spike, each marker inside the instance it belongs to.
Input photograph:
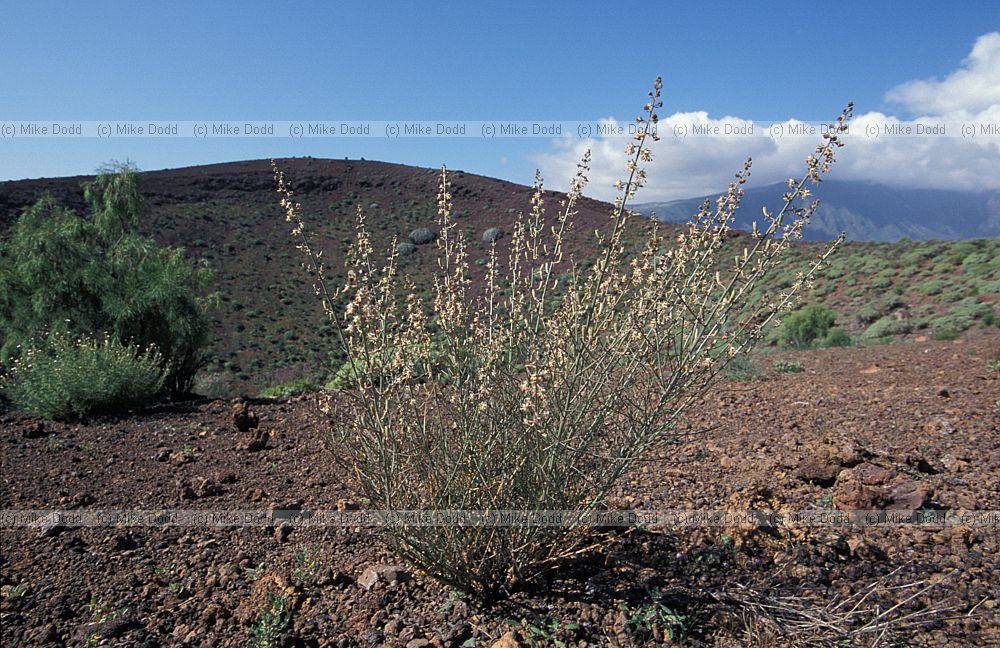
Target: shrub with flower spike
(524, 402)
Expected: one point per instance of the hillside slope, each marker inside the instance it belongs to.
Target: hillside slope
(270, 328)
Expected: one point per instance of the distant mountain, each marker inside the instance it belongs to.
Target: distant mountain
(866, 211)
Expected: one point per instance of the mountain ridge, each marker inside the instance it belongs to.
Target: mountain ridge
(866, 211)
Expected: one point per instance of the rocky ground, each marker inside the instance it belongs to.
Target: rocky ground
(906, 426)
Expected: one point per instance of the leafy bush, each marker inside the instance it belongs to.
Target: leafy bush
(931, 286)
(887, 326)
(64, 377)
(836, 337)
(533, 404)
(943, 334)
(351, 372)
(492, 234)
(804, 327)
(291, 388)
(96, 276)
(422, 236)
(787, 366)
(868, 314)
(742, 368)
(991, 318)
(883, 280)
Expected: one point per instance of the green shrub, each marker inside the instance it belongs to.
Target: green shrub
(868, 314)
(802, 328)
(349, 373)
(422, 236)
(887, 326)
(97, 276)
(991, 318)
(836, 337)
(914, 257)
(492, 234)
(65, 377)
(931, 286)
(787, 366)
(294, 387)
(742, 368)
(945, 334)
(883, 280)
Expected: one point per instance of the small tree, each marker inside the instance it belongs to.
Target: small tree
(530, 403)
(98, 278)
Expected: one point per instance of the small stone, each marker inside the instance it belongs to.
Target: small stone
(509, 640)
(46, 634)
(943, 392)
(243, 417)
(921, 464)
(910, 495)
(206, 487)
(384, 573)
(815, 470)
(185, 490)
(123, 542)
(282, 532)
(939, 425)
(34, 431)
(111, 628)
(51, 525)
(252, 441)
(417, 643)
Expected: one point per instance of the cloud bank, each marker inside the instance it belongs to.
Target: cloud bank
(686, 166)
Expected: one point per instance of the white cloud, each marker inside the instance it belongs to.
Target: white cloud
(689, 166)
(972, 88)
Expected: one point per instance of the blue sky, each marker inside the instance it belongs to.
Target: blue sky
(458, 60)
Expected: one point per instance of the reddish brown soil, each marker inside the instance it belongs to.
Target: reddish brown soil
(927, 411)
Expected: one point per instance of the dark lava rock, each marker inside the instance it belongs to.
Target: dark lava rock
(123, 542)
(383, 573)
(814, 470)
(51, 525)
(252, 441)
(34, 431)
(243, 417)
(870, 487)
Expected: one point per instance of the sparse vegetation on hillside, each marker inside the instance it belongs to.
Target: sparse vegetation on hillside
(267, 331)
(509, 399)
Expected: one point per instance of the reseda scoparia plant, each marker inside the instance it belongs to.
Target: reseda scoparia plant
(508, 399)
